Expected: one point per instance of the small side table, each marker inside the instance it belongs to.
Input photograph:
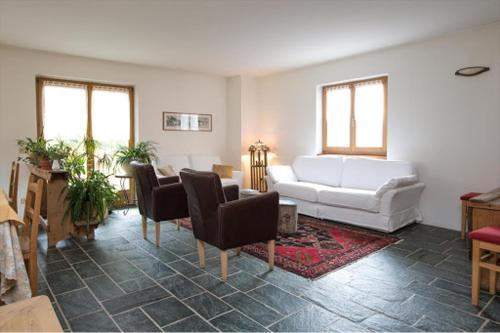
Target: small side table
(288, 217)
(127, 200)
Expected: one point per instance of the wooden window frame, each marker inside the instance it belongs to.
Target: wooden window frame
(90, 85)
(352, 149)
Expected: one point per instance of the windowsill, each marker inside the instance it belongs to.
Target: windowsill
(378, 157)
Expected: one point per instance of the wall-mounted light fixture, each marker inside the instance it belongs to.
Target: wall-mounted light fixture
(471, 71)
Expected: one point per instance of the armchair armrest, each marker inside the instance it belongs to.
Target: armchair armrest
(400, 199)
(169, 202)
(249, 220)
(164, 180)
(232, 192)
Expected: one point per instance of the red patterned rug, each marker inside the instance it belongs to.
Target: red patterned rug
(319, 247)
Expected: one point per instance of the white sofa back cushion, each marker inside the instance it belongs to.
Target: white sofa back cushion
(325, 170)
(204, 162)
(370, 174)
(178, 162)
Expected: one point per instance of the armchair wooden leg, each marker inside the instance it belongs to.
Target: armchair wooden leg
(238, 251)
(157, 233)
(201, 252)
(476, 272)
(178, 224)
(144, 227)
(223, 265)
(270, 250)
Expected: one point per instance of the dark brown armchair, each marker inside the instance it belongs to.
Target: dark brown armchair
(158, 198)
(226, 223)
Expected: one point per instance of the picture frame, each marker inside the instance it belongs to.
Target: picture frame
(183, 121)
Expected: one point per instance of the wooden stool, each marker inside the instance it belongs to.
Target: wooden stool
(484, 239)
(465, 211)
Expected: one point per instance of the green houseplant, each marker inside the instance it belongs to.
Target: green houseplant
(143, 152)
(38, 152)
(89, 198)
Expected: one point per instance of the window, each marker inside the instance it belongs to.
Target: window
(72, 110)
(355, 117)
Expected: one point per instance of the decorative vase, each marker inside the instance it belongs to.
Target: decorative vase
(56, 165)
(45, 164)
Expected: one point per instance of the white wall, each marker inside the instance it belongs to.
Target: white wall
(233, 133)
(157, 90)
(448, 126)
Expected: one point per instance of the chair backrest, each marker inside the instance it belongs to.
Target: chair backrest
(32, 209)
(145, 181)
(204, 194)
(13, 185)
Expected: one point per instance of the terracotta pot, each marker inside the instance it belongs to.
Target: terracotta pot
(45, 164)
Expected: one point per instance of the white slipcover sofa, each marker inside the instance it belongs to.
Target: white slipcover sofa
(376, 194)
(199, 163)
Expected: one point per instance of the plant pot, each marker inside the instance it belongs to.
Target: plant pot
(45, 164)
(127, 169)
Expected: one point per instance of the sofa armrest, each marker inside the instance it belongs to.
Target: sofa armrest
(169, 202)
(249, 220)
(238, 176)
(400, 199)
(280, 173)
(164, 180)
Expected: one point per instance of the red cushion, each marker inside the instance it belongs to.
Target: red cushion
(470, 195)
(486, 234)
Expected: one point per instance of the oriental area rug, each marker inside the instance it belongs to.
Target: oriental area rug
(318, 246)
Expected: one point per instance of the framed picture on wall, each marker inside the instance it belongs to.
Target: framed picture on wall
(176, 121)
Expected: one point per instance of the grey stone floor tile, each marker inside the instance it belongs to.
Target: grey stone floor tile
(345, 325)
(140, 283)
(190, 324)
(207, 306)
(492, 311)
(253, 309)
(309, 319)
(460, 290)
(77, 303)
(186, 268)
(94, 322)
(180, 286)
(244, 281)
(167, 311)
(129, 301)
(214, 285)
(75, 255)
(430, 325)
(121, 271)
(103, 287)
(53, 267)
(104, 256)
(278, 299)
(236, 322)
(441, 273)
(428, 257)
(64, 281)
(135, 321)
(491, 327)
(379, 322)
(154, 268)
(87, 269)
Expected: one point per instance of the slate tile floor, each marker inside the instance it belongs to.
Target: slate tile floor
(120, 282)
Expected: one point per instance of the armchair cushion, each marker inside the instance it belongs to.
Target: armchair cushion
(224, 171)
(169, 202)
(167, 170)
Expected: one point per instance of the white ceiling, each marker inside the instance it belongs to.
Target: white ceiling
(230, 37)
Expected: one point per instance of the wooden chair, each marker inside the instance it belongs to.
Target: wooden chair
(13, 185)
(486, 239)
(29, 235)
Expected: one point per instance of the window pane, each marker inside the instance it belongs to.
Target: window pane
(64, 113)
(338, 117)
(369, 115)
(110, 123)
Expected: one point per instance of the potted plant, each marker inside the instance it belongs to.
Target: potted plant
(38, 152)
(143, 152)
(89, 198)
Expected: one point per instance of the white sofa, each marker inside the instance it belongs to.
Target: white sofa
(351, 190)
(199, 163)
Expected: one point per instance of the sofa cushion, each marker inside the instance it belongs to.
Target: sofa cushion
(350, 198)
(178, 162)
(204, 162)
(394, 183)
(299, 190)
(370, 174)
(326, 170)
